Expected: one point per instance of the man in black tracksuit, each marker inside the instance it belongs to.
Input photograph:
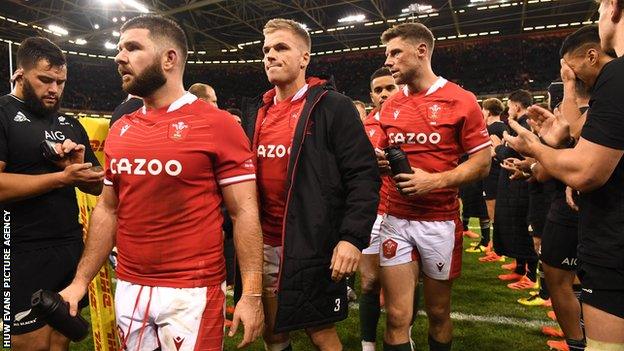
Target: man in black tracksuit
(318, 186)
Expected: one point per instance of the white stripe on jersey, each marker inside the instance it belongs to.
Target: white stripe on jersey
(237, 179)
(475, 149)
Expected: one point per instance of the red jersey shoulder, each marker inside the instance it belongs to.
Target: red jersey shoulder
(373, 114)
(397, 98)
(197, 115)
(205, 112)
(372, 119)
(452, 90)
(121, 126)
(374, 131)
(389, 105)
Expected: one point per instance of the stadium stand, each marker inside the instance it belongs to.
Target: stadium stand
(530, 63)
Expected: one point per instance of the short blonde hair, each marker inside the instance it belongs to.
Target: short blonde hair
(285, 24)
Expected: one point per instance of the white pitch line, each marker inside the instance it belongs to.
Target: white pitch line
(457, 316)
(528, 323)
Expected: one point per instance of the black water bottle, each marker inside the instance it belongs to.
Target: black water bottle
(398, 160)
(52, 309)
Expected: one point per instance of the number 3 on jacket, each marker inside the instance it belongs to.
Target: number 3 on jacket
(337, 308)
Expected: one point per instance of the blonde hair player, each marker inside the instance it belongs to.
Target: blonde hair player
(318, 185)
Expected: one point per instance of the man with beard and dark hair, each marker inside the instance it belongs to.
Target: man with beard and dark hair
(169, 167)
(37, 192)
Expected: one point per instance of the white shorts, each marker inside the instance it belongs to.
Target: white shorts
(436, 244)
(373, 247)
(173, 319)
(271, 268)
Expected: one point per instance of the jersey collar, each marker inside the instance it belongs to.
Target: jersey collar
(432, 89)
(16, 98)
(300, 93)
(187, 98)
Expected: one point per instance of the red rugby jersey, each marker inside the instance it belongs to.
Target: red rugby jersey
(166, 167)
(434, 127)
(274, 133)
(377, 138)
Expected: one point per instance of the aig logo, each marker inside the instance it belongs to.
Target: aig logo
(273, 151)
(55, 135)
(141, 166)
(414, 138)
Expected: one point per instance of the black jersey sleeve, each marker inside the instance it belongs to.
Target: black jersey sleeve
(605, 121)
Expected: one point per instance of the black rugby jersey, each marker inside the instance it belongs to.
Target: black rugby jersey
(50, 219)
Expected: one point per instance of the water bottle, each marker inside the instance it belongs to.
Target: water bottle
(52, 309)
(398, 160)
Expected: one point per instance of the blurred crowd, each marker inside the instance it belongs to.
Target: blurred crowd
(509, 64)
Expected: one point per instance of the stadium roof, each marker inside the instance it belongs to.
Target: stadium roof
(232, 30)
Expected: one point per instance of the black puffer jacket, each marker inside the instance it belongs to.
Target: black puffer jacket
(333, 192)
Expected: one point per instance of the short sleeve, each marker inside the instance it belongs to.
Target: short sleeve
(233, 156)
(473, 134)
(605, 120)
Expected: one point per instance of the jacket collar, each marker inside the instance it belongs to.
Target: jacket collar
(311, 82)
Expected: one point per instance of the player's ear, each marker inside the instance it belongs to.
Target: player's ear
(305, 59)
(592, 56)
(17, 75)
(170, 59)
(422, 50)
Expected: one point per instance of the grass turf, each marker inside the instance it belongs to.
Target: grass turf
(478, 292)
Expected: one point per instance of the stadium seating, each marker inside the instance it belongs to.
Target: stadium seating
(484, 67)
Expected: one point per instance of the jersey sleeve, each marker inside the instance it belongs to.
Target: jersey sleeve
(605, 120)
(233, 156)
(473, 134)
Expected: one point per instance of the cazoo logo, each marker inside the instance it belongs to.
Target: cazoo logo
(141, 166)
(414, 138)
(273, 151)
